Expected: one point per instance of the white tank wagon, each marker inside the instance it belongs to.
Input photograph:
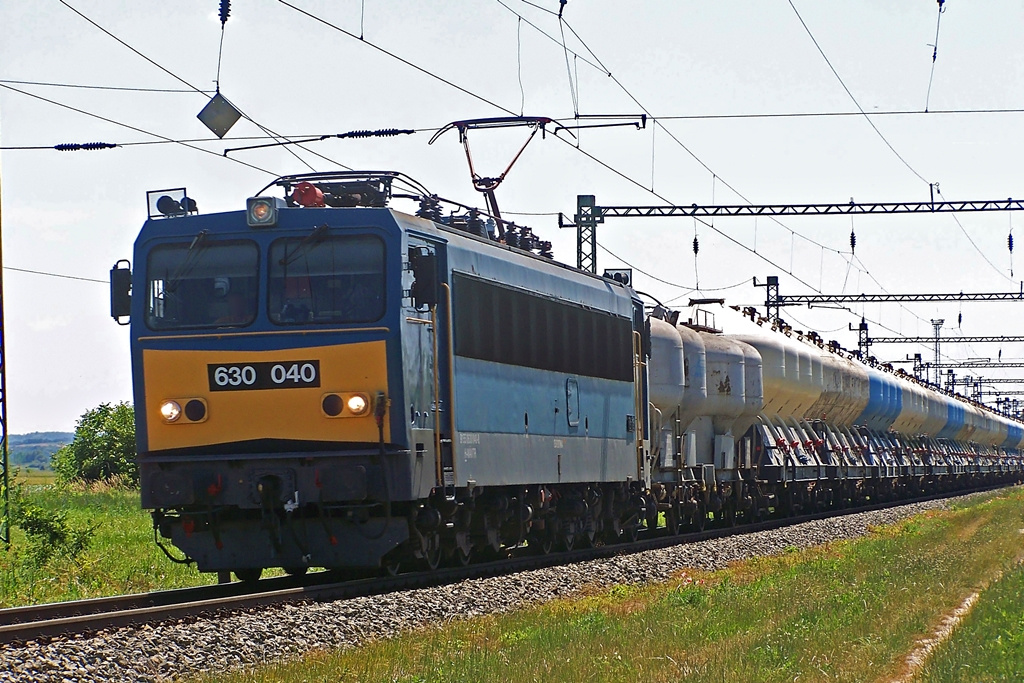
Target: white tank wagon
(726, 402)
(785, 421)
(666, 374)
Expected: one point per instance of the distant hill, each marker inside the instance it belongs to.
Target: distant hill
(34, 450)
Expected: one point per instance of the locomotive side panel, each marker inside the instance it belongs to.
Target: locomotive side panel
(543, 378)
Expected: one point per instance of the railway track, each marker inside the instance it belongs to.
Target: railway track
(45, 622)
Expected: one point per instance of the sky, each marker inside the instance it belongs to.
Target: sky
(693, 67)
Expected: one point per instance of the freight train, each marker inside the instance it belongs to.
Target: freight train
(323, 380)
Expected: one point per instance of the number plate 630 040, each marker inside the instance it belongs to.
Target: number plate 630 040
(290, 374)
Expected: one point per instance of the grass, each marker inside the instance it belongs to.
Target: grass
(989, 645)
(119, 556)
(33, 477)
(849, 611)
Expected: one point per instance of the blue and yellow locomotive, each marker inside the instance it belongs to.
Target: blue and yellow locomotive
(322, 380)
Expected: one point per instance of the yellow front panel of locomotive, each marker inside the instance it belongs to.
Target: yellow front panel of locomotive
(238, 413)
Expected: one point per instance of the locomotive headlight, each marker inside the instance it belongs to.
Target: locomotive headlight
(345, 404)
(356, 404)
(170, 410)
(261, 212)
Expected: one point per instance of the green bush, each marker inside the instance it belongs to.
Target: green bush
(103, 447)
(50, 534)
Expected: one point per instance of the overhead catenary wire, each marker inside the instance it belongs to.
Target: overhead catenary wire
(702, 163)
(637, 183)
(572, 86)
(547, 35)
(973, 243)
(225, 11)
(57, 275)
(592, 157)
(677, 141)
(86, 86)
(408, 63)
(851, 95)
(237, 138)
(935, 53)
(134, 128)
(822, 114)
(196, 89)
(578, 58)
(512, 113)
(519, 65)
(507, 110)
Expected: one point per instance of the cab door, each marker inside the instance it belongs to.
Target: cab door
(425, 348)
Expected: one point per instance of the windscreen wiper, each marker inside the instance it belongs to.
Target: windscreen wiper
(190, 260)
(306, 245)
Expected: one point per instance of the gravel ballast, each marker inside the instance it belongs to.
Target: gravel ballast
(162, 651)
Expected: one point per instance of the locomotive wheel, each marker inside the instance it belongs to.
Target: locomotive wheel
(612, 530)
(568, 540)
(249, 574)
(392, 567)
(462, 557)
(540, 542)
(296, 571)
(432, 554)
(631, 532)
(588, 537)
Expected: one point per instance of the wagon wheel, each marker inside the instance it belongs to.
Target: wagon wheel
(249, 574)
(672, 516)
(757, 509)
(700, 516)
(729, 514)
(652, 520)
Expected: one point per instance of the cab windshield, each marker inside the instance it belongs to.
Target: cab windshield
(202, 283)
(326, 279)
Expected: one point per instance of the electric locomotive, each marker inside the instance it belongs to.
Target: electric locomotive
(322, 380)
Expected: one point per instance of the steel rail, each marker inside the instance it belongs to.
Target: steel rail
(47, 622)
